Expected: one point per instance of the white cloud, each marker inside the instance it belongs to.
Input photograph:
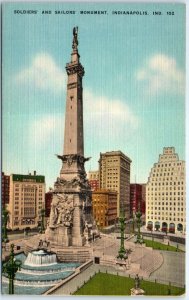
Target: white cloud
(44, 130)
(44, 74)
(161, 74)
(108, 111)
(108, 123)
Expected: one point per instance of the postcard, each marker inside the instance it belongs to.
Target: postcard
(93, 149)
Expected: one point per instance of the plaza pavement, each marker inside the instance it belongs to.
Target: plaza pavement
(172, 269)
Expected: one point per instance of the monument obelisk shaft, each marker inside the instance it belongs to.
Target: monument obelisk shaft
(73, 135)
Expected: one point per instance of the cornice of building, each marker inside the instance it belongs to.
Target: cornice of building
(27, 178)
(104, 191)
(116, 153)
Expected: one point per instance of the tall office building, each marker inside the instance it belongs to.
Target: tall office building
(114, 174)
(48, 201)
(27, 198)
(135, 197)
(165, 194)
(5, 185)
(143, 204)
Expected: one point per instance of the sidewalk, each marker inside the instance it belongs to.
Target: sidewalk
(143, 229)
(181, 246)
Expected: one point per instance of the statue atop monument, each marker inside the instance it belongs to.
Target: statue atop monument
(75, 40)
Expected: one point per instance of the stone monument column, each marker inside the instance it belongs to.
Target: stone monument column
(71, 204)
(78, 238)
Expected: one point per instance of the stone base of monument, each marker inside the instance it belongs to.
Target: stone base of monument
(64, 253)
(137, 292)
(60, 236)
(78, 241)
(73, 254)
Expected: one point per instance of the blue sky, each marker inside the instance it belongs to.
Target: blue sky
(134, 93)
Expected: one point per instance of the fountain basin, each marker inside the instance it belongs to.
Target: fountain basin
(36, 279)
(40, 258)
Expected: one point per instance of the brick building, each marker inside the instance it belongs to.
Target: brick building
(93, 178)
(104, 207)
(27, 198)
(5, 187)
(135, 197)
(48, 200)
(143, 204)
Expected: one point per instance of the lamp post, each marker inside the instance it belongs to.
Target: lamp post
(42, 229)
(122, 251)
(152, 239)
(133, 222)
(11, 267)
(139, 239)
(4, 225)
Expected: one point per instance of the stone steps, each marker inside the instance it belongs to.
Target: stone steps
(73, 254)
(150, 262)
